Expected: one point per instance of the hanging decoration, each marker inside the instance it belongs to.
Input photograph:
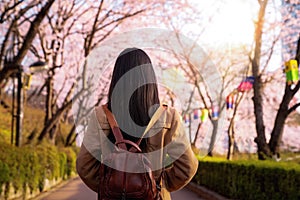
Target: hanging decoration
(230, 101)
(204, 115)
(215, 112)
(246, 84)
(196, 114)
(292, 72)
(186, 118)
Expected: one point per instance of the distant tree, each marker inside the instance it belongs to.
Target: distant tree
(198, 93)
(231, 128)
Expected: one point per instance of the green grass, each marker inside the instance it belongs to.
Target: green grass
(288, 158)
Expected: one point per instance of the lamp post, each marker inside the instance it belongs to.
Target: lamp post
(34, 68)
(19, 116)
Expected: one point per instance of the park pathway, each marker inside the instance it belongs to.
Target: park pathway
(77, 190)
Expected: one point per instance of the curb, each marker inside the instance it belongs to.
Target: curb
(45, 193)
(204, 192)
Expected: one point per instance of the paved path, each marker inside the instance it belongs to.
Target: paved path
(77, 190)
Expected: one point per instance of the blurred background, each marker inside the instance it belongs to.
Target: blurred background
(253, 45)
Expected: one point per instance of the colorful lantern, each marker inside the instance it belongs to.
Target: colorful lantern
(215, 112)
(230, 101)
(246, 84)
(292, 72)
(186, 118)
(196, 114)
(204, 115)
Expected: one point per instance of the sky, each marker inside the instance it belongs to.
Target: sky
(233, 26)
(234, 20)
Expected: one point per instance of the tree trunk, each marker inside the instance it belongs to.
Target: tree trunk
(263, 148)
(213, 137)
(281, 116)
(283, 112)
(230, 131)
(230, 140)
(49, 96)
(53, 133)
(190, 127)
(51, 123)
(197, 133)
(70, 135)
(55, 118)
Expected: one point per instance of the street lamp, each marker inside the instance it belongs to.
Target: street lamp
(38, 66)
(35, 67)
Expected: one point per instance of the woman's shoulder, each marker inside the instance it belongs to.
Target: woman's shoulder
(171, 113)
(101, 117)
(170, 109)
(98, 110)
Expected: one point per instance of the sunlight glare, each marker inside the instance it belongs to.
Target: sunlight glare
(234, 23)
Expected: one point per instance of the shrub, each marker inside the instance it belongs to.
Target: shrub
(250, 179)
(70, 161)
(28, 167)
(4, 176)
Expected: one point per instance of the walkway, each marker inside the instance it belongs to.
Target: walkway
(77, 190)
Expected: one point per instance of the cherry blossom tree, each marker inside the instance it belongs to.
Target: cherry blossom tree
(69, 23)
(21, 23)
(69, 32)
(271, 148)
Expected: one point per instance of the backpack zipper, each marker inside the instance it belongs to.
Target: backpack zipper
(124, 194)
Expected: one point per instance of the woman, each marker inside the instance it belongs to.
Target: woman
(133, 99)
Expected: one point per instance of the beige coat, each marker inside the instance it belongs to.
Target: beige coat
(167, 149)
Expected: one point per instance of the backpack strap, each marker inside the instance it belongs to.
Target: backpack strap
(154, 118)
(120, 142)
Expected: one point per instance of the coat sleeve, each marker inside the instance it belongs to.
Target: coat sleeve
(184, 163)
(88, 160)
(88, 168)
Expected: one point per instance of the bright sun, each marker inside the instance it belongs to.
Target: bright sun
(233, 23)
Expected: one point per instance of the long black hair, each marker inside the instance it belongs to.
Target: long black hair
(133, 93)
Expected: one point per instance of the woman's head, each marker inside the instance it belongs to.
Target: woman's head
(133, 88)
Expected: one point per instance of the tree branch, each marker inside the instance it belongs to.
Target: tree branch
(51, 122)
(32, 32)
(270, 54)
(293, 108)
(2, 17)
(6, 71)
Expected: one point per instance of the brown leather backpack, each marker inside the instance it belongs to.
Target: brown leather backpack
(118, 175)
